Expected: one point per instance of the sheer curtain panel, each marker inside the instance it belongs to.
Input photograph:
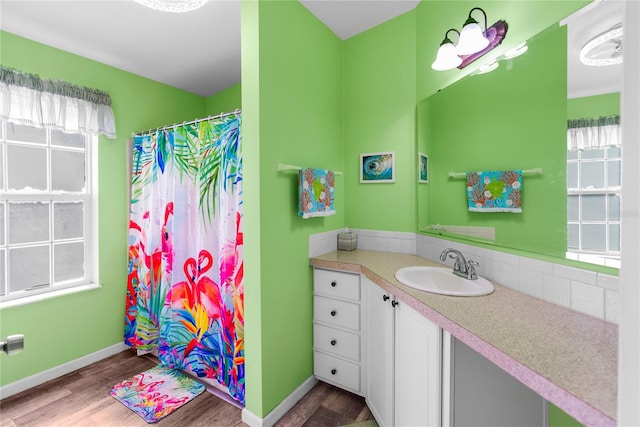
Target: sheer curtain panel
(26, 99)
(600, 132)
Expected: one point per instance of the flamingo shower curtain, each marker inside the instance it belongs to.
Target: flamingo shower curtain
(185, 293)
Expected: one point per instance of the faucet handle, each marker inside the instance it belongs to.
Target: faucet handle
(471, 269)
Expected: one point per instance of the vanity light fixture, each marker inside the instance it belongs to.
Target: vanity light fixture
(604, 49)
(472, 38)
(447, 57)
(175, 6)
(473, 42)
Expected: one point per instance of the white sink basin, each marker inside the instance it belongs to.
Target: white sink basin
(440, 280)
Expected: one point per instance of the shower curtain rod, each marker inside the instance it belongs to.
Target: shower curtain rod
(231, 113)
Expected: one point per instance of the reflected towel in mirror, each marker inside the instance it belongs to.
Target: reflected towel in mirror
(494, 191)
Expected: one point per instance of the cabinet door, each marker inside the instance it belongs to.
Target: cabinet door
(379, 345)
(417, 369)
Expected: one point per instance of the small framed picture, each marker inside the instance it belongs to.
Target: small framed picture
(378, 167)
(423, 168)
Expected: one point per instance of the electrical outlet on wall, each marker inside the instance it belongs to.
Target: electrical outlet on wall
(12, 344)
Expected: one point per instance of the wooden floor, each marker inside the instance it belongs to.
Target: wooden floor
(81, 398)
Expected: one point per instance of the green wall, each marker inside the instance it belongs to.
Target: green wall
(423, 192)
(376, 63)
(594, 106)
(557, 418)
(525, 18)
(511, 118)
(308, 98)
(229, 99)
(65, 328)
(292, 113)
(386, 70)
(379, 104)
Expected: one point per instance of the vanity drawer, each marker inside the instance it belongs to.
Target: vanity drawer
(334, 341)
(338, 372)
(336, 284)
(337, 313)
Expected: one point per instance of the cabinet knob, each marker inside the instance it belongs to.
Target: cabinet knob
(394, 303)
(333, 313)
(334, 371)
(385, 297)
(334, 342)
(333, 284)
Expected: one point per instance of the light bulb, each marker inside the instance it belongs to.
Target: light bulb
(472, 40)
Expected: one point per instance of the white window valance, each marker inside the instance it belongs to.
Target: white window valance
(27, 99)
(601, 132)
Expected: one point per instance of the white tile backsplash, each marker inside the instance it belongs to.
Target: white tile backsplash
(505, 274)
(395, 245)
(408, 246)
(611, 307)
(381, 244)
(586, 291)
(322, 243)
(584, 276)
(536, 264)
(607, 281)
(386, 241)
(406, 236)
(556, 290)
(587, 299)
(506, 258)
(530, 282)
(476, 252)
(366, 243)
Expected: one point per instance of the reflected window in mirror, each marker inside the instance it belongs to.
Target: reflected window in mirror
(594, 155)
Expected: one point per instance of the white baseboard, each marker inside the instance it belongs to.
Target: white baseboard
(279, 411)
(60, 370)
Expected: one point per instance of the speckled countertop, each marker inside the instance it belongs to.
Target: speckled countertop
(569, 358)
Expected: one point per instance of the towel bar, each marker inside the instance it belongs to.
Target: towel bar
(283, 167)
(534, 171)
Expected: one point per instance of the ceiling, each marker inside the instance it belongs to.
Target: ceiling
(582, 26)
(206, 43)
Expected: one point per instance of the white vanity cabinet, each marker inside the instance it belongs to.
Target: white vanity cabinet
(417, 363)
(403, 361)
(379, 340)
(367, 342)
(337, 329)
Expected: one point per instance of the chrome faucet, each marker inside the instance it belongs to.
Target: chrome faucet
(461, 266)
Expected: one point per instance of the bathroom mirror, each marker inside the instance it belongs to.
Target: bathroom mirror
(515, 117)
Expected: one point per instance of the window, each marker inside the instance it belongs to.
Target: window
(47, 202)
(593, 204)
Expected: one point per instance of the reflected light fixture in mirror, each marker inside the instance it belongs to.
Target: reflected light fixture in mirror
(175, 6)
(603, 49)
(488, 68)
(516, 51)
(447, 58)
(472, 38)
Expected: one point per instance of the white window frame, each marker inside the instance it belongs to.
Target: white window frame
(608, 258)
(90, 239)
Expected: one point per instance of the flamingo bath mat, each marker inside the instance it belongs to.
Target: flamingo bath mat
(156, 392)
